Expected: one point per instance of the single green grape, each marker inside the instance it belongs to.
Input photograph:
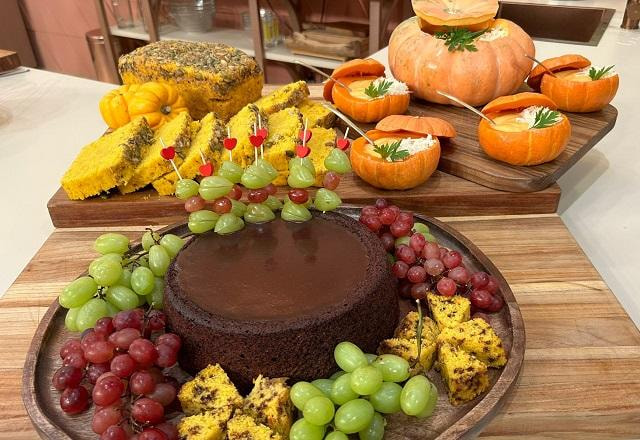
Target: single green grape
(402, 241)
(366, 380)
(202, 221)
(258, 213)
(336, 435)
(78, 292)
(231, 171)
(254, 178)
(172, 244)
(326, 200)
(142, 280)
(300, 177)
(213, 187)
(156, 297)
(105, 272)
(122, 297)
(338, 161)
(303, 161)
(370, 357)
(387, 399)
(267, 168)
(238, 208)
(158, 260)
(292, 212)
(149, 238)
(303, 430)
(431, 404)
(421, 228)
(323, 385)
(415, 395)
(228, 224)
(318, 410)
(393, 368)
(337, 374)
(375, 430)
(186, 188)
(341, 391)
(354, 416)
(301, 392)
(111, 243)
(112, 256)
(111, 310)
(273, 203)
(348, 356)
(90, 312)
(125, 278)
(70, 319)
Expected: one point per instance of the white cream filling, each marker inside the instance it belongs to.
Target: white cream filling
(414, 146)
(493, 34)
(585, 72)
(396, 87)
(528, 115)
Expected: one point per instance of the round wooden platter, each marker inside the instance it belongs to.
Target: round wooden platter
(448, 422)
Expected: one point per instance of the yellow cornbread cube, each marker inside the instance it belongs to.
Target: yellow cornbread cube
(477, 338)
(244, 427)
(269, 404)
(408, 327)
(286, 96)
(241, 126)
(211, 77)
(108, 161)
(408, 350)
(449, 311)
(316, 114)
(206, 426)
(176, 133)
(322, 141)
(280, 145)
(208, 141)
(465, 376)
(210, 390)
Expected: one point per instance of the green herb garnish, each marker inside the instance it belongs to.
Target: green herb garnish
(546, 117)
(460, 39)
(596, 74)
(376, 91)
(391, 152)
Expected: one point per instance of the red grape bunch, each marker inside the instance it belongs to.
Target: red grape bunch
(421, 265)
(118, 364)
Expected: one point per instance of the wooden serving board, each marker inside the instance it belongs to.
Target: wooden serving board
(448, 422)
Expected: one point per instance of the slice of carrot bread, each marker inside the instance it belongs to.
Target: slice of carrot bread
(317, 114)
(280, 144)
(241, 127)
(286, 96)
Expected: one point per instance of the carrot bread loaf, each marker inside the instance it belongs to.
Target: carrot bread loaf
(241, 127)
(477, 338)
(280, 145)
(176, 133)
(449, 311)
(210, 425)
(316, 114)
(210, 390)
(107, 162)
(322, 141)
(209, 76)
(244, 427)
(465, 376)
(269, 404)
(207, 142)
(286, 96)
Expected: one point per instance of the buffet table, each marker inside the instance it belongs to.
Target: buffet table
(579, 377)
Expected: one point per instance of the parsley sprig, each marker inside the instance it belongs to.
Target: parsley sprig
(391, 152)
(546, 117)
(460, 39)
(596, 74)
(376, 91)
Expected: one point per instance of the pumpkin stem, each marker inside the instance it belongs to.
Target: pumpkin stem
(165, 109)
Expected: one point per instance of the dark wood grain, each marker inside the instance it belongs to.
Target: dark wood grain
(9, 60)
(448, 422)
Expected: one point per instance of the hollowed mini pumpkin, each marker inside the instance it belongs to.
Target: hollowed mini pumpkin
(577, 86)
(365, 94)
(400, 159)
(527, 131)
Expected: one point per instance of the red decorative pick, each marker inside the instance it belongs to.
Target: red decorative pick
(256, 140)
(230, 143)
(343, 143)
(302, 151)
(304, 135)
(262, 132)
(206, 170)
(168, 153)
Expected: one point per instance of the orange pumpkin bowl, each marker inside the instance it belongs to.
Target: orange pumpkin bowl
(368, 110)
(406, 174)
(556, 64)
(355, 67)
(528, 147)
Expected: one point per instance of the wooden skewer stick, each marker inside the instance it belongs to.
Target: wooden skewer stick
(347, 121)
(320, 72)
(464, 104)
(539, 62)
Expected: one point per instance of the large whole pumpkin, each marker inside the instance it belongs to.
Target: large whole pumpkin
(497, 66)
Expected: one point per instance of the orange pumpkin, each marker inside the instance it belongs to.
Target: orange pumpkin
(362, 108)
(572, 89)
(417, 124)
(355, 67)
(461, 13)
(528, 146)
(497, 68)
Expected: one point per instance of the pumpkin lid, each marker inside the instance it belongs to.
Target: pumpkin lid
(518, 101)
(355, 67)
(556, 64)
(417, 124)
(455, 12)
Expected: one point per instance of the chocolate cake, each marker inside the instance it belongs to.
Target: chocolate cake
(275, 299)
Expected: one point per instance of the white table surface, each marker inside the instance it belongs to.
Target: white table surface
(45, 118)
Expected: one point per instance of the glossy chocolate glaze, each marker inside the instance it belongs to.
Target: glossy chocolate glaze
(273, 271)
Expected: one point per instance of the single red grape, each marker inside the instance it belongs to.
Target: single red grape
(114, 432)
(271, 189)
(371, 222)
(122, 339)
(399, 228)
(400, 269)
(143, 352)
(331, 180)
(479, 280)
(446, 286)
(167, 356)
(419, 291)
(69, 346)
(406, 254)
(480, 298)
(194, 203)
(417, 243)
(369, 211)
(443, 252)
(169, 430)
(128, 319)
(108, 389)
(434, 266)
(94, 371)
(104, 326)
(142, 382)
(381, 203)
(75, 359)
(492, 286)
(163, 393)
(405, 216)
(123, 365)
(152, 434)
(156, 320)
(299, 196)
(170, 339)
(452, 259)
(395, 209)
(430, 250)
(156, 374)
(105, 417)
(145, 410)
(459, 274)
(388, 241)
(99, 352)
(222, 205)
(235, 193)
(91, 336)
(66, 377)
(417, 274)
(259, 195)
(496, 304)
(74, 400)
(388, 216)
